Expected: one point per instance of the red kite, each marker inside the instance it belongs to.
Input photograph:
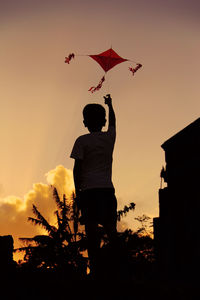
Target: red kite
(107, 60)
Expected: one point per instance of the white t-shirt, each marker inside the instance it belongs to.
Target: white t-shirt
(95, 150)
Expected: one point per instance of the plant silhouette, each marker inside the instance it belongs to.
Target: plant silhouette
(61, 248)
(123, 212)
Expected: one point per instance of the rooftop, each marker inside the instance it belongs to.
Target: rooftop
(189, 133)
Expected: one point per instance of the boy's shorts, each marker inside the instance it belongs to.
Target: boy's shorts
(98, 206)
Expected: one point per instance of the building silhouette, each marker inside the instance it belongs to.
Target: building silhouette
(176, 230)
(6, 254)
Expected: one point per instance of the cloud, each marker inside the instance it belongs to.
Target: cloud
(14, 211)
(62, 179)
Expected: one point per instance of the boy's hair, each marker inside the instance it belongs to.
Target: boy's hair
(94, 115)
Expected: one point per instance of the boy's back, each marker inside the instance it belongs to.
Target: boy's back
(95, 152)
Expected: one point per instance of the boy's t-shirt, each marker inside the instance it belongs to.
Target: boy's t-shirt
(96, 152)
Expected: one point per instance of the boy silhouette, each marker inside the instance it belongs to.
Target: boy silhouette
(92, 172)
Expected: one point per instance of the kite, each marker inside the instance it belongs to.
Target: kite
(107, 60)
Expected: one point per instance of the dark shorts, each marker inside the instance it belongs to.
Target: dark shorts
(98, 206)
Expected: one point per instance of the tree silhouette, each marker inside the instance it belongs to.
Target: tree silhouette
(144, 228)
(61, 248)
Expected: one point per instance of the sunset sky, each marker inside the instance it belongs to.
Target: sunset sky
(42, 97)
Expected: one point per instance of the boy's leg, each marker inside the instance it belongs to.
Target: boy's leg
(93, 238)
(110, 227)
(89, 212)
(110, 222)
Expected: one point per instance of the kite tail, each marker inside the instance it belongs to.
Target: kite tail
(133, 70)
(69, 57)
(94, 89)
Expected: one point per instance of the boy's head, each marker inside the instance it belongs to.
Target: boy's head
(94, 117)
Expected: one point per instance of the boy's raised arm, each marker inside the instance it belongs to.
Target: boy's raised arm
(111, 118)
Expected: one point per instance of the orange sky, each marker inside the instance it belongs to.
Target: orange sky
(42, 98)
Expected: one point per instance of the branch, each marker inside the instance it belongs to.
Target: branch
(123, 212)
(41, 221)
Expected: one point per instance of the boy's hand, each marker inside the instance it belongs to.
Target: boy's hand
(112, 120)
(108, 99)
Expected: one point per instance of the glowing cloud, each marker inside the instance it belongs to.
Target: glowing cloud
(14, 211)
(61, 179)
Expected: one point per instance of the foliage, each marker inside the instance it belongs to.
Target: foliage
(144, 228)
(123, 212)
(140, 247)
(137, 256)
(139, 244)
(62, 247)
